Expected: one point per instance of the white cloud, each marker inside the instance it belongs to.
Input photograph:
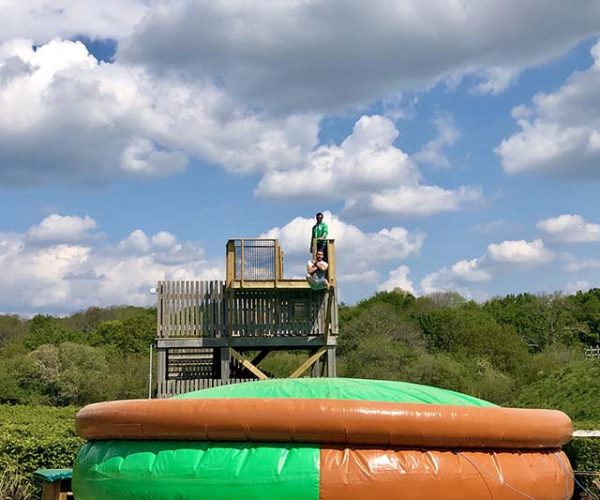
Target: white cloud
(495, 80)
(414, 201)
(573, 264)
(369, 173)
(43, 20)
(50, 276)
(470, 271)
(309, 49)
(62, 229)
(148, 127)
(502, 257)
(560, 132)
(520, 252)
(398, 278)
(570, 228)
(448, 134)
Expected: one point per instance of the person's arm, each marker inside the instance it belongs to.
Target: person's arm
(325, 231)
(311, 267)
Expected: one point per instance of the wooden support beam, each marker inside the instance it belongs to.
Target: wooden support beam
(260, 356)
(308, 363)
(330, 295)
(331, 362)
(246, 364)
(224, 362)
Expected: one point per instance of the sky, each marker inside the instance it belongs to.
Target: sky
(452, 145)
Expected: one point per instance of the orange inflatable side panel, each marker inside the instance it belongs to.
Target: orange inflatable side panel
(359, 473)
(326, 421)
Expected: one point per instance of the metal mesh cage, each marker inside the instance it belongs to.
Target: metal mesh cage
(255, 260)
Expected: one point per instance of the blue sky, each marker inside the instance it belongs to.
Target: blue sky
(453, 146)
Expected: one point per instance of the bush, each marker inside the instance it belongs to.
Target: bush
(584, 455)
(33, 437)
(575, 389)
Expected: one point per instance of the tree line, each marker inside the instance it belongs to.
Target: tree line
(520, 350)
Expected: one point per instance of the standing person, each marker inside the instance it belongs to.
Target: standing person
(317, 271)
(319, 232)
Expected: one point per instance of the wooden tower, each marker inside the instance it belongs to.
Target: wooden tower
(211, 333)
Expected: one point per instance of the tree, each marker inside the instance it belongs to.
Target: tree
(470, 332)
(44, 329)
(12, 328)
(133, 335)
(72, 374)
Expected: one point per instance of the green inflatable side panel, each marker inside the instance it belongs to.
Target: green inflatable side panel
(340, 388)
(195, 470)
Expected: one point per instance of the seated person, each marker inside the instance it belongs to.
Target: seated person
(317, 270)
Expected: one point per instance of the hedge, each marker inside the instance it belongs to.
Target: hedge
(33, 437)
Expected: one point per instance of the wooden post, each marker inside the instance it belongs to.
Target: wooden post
(225, 374)
(331, 262)
(230, 262)
(161, 370)
(331, 364)
(327, 326)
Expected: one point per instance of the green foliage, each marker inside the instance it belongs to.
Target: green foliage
(33, 437)
(469, 331)
(281, 364)
(87, 321)
(12, 328)
(584, 455)
(574, 389)
(71, 373)
(586, 311)
(541, 320)
(399, 300)
(439, 300)
(15, 486)
(132, 335)
(45, 329)
(18, 380)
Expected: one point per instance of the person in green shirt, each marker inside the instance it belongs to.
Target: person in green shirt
(319, 233)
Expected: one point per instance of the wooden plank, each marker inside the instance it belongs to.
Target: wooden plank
(330, 296)
(260, 356)
(158, 310)
(331, 273)
(246, 364)
(224, 368)
(270, 284)
(331, 362)
(308, 363)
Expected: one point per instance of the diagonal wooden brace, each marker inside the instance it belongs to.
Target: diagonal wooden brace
(308, 363)
(246, 364)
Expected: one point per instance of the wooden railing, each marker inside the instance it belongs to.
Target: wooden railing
(188, 309)
(256, 313)
(170, 388)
